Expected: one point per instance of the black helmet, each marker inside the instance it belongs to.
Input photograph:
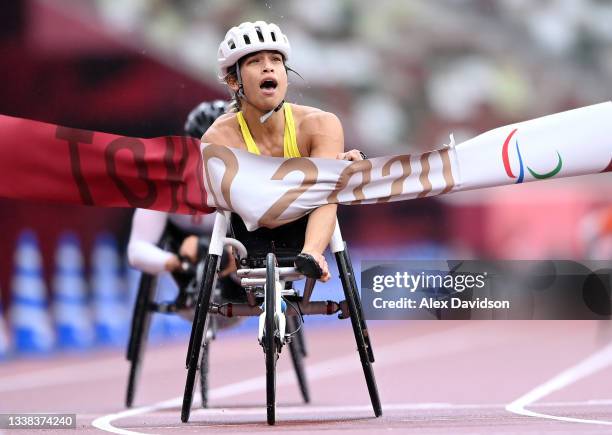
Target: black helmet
(203, 116)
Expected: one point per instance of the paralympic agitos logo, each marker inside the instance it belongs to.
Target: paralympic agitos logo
(521, 174)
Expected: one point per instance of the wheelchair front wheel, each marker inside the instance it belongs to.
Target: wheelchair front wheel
(269, 338)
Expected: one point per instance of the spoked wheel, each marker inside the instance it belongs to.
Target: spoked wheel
(141, 319)
(198, 331)
(270, 342)
(358, 324)
(297, 356)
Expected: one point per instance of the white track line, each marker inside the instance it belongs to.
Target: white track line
(335, 409)
(594, 363)
(294, 410)
(454, 339)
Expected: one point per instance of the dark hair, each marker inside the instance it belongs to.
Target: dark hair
(234, 105)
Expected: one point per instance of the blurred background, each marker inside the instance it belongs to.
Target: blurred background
(401, 75)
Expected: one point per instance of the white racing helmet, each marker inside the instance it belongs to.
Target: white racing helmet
(249, 38)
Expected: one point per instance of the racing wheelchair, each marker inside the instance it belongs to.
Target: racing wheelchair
(187, 280)
(265, 259)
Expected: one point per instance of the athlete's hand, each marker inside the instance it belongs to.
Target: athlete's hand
(173, 263)
(352, 155)
(323, 264)
(231, 265)
(189, 248)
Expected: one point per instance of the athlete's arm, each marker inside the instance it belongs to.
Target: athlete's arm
(210, 136)
(219, 133)
(327, 141)
(143, 254)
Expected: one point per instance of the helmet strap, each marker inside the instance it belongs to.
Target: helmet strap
(267, 115)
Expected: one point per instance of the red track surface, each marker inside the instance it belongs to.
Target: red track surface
(433, 377)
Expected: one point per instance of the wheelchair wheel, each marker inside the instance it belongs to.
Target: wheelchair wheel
(297, 357)
(269, 338)
(357, 322)
(198, 331)
(141, 319)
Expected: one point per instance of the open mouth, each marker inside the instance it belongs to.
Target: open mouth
(268, 84)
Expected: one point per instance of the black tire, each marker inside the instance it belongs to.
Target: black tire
(269, 339)
(364, 326)
(141, 320)
(297, 357)
(198, 331)
(356, 322)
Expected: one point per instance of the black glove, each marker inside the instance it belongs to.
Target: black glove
(306, 264)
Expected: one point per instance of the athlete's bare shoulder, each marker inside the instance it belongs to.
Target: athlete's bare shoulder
(300, 112)
(319, 132)
(224, 131)
(312, 119)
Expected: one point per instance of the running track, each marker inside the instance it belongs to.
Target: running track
(474, 377)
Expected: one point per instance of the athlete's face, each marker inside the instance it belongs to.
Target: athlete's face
(264, 79)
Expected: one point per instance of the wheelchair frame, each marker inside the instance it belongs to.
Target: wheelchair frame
(266, 287)
(145, 306)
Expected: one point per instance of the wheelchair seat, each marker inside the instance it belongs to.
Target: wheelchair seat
(285, 241)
